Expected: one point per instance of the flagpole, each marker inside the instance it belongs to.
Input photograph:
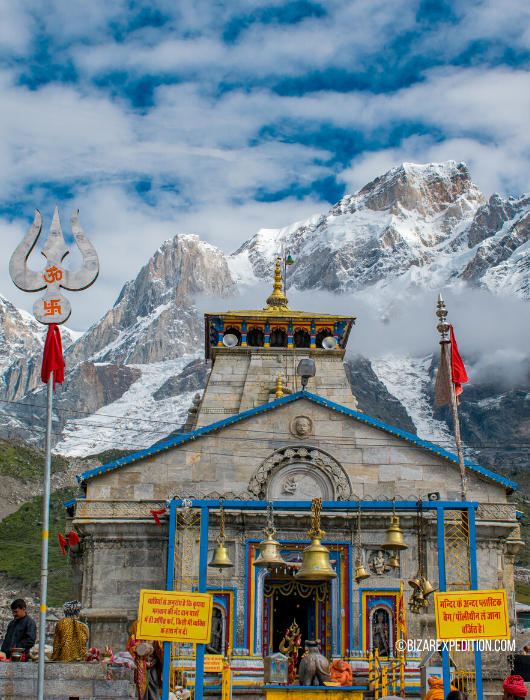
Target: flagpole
(443, 328)
(45, 533)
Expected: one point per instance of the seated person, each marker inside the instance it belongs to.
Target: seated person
(71, 635)
(21, 631)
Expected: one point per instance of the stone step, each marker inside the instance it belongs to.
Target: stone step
(29, 670)
(27, 688)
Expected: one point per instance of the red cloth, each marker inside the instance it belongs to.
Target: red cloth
(457, 366)
(73, 538)
(52, 360)
(156, 513)
(514, 685)
(62, 542)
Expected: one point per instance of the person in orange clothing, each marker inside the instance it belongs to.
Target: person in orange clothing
(436, 688)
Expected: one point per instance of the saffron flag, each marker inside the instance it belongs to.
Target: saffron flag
(457, 366)
(402, 618)
(52, 360)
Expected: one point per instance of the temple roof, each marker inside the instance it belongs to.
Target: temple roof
(361, 417)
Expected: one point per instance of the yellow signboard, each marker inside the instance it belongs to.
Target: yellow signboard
(167, 616)
(471, 615)
(213, 663)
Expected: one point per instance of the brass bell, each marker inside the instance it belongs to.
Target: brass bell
(427, 588)
(220, 559)
(269, 553)
(360, 572)
(415, 582)
(315, 562)
(394, 535)
(394, 561)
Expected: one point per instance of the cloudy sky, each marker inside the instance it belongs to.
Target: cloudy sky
(219, 118)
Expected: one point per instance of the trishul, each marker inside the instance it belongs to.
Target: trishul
(53, 307)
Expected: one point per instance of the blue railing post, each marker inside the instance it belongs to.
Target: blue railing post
(442, 587)
(474, 587)
(169, 587)
(203, 574)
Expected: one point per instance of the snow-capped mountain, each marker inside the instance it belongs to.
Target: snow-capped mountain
(131, 377)
(426, 224)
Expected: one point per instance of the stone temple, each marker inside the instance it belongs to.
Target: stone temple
(257, 434)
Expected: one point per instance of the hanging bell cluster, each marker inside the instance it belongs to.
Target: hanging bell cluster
(221, 558)
(421, 587)
(316, 565)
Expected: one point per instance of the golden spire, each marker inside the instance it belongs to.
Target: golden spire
(277, 299)
(279, 388)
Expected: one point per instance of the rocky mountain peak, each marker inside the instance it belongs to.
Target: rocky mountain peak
(154, 318)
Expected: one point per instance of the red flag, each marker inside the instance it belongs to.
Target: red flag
(62, 542)
(73, 538)
(457, 366)
(156, 513)
(52, 360)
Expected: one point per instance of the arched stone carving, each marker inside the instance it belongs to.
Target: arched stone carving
(278, 476)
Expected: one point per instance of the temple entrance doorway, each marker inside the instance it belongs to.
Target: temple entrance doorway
(287, 609)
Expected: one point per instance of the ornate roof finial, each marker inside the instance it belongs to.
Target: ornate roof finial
(279, 387)
(277, 299)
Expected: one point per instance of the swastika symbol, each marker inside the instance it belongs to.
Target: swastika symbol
(52, 307)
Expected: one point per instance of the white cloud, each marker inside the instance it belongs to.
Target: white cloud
(204, 150)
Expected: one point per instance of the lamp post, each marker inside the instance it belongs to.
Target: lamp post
(51, 310)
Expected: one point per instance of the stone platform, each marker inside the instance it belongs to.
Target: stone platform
(64, 682)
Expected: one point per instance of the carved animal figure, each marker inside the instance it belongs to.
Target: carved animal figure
(314, 667)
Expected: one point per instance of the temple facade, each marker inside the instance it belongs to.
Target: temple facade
(257, 434)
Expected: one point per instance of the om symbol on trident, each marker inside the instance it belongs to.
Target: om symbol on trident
(53, 307)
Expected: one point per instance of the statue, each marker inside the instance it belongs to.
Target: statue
(216, 639)
(314, 667)
(341, 672)
(289, 646)
(301, 426)
(290, 485)
(380, 633)
(378, 563)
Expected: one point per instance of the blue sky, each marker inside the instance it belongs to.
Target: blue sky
(222, 118)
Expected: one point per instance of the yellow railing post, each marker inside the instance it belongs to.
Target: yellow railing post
(370, 668)
(393, 669)
(376, 674)
(402, 673)
(226, 679)
(384, 681)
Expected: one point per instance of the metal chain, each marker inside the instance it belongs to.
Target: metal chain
(359, 547)
(221, 539)
(316, 509)
(270, 519)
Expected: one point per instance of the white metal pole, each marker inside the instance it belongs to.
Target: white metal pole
(45, 529)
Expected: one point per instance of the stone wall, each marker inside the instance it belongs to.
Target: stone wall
(378, 464)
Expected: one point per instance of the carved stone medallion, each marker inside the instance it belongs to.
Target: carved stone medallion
(299, 473)
(301, 426)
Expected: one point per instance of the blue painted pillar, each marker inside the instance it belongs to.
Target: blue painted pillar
(203, 574)
(474, 587)
(169, 587)
(442, 584)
